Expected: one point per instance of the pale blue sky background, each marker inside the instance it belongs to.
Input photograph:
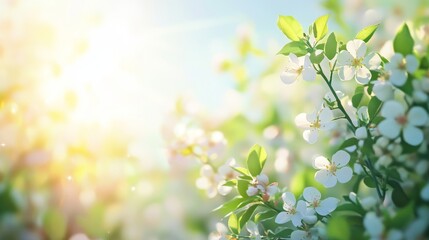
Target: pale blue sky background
(168, 47)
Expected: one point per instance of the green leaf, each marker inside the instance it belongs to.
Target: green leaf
(7, 202)
(369, 182)
(54, 224)
(229, 206)
(290, 27)
(399, 197)
(253, 164)
(403, 42)
(298, 48)
(230, 183)
(357, 97)
(262, 216)
(403, 216)
(374, 106)
(331, 46)
(241, 170)
(246, 215)
(256, 160)
(350, 207)
(242, 187)
(320, 27)
(338, 228)
(316, 58)
(349, 142)
(233, 224)
(366, 33)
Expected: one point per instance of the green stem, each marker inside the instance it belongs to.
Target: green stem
(340, 105)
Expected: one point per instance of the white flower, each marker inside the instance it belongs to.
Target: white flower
(330, 173)
(261, 184)
(292, 213)
(373, 225)
(298, 68)
(396, 120)
(252, 228)
(353, 63)
(322, 207)
(398, 68)
(313, 122)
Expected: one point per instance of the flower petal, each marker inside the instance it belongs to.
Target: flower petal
(344, 59)
(411, 63)
(341, 158)
(389, 128)
(321, 162)
(398, 77)
(357, 48)
(327, 206)
(262, 178)
(394, 62)
(294, 60)
(301, 207)
(417, 116)
(289, 199)
(301, 120)
(282, 217)
(326, 178)
(325, 115)
(310, 135)
(311, 194)
(372, 61)
(363, 75)
(347, 73)
(392, 109)
(344, 174)
(309, 74)
(288, 77)
(298, 235)
(413, 135)
(383, 90)
(296, 219)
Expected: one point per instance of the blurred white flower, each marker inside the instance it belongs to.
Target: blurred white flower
(330, 173)
(373, 225)
(313, 123)
(304, 235)
(361, 133)
(297, 69)
(396, 120)
(424, 193)
(399, 67)
(352, 62)
(383, 90)
(207, 181)
(220, 233)
(292, 213)
(252, 228)
(225, 173)
(322, 207)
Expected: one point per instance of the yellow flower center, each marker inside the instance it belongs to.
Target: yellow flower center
(316, 124)
(332, 168)
(299, 70)
(402, 65)
(357, 62)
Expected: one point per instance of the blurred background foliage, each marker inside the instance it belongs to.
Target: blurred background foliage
(72, 162)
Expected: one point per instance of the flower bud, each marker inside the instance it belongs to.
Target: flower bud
(368, 202)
